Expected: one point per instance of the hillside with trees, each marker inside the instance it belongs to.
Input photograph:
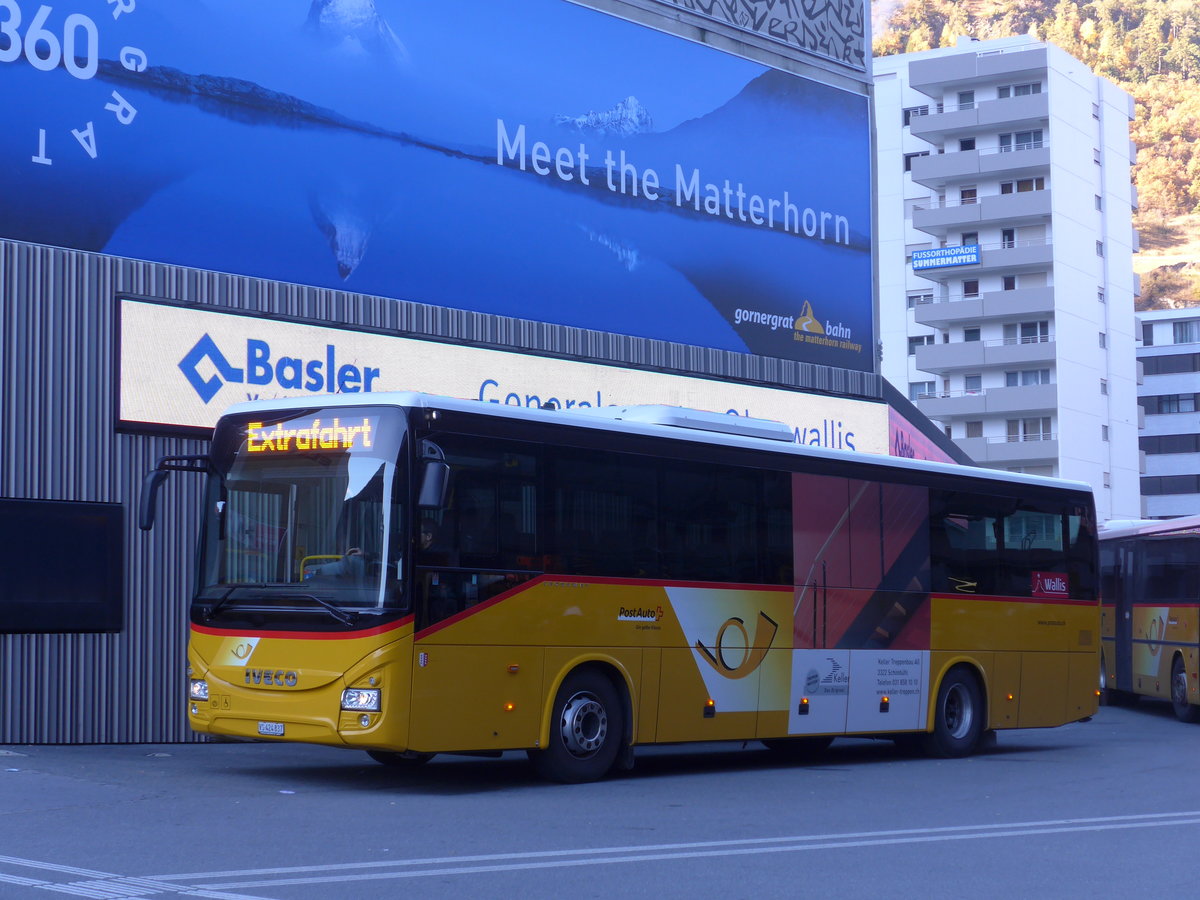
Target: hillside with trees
(1151, 48)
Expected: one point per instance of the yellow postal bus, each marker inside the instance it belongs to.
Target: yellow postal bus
(1150, 585)
(412, 575)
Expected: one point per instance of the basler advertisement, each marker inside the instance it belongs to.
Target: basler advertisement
(539, 160)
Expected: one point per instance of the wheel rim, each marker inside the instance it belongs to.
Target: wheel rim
(958, 712)
(1179, 686)
(584, 725)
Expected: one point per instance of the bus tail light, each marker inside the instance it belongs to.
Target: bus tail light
(710, 708)
(361, 699)
(197, 689)
(884, 704)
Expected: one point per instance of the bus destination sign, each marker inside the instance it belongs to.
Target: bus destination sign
(305, 435)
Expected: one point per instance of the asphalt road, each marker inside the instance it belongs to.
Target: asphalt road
(1106, 808)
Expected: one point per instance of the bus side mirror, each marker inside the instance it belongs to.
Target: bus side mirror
(148, 502)
(435, 482)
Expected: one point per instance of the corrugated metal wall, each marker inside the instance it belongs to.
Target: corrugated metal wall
(58, 441)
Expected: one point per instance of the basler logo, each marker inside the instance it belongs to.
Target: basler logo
(265, 366)
(1050, 584)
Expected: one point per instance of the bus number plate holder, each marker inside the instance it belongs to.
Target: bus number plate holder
(272, 729)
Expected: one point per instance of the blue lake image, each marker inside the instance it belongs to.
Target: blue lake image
(231, 175)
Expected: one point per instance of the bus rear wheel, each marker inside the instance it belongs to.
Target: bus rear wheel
(1184, 711)
(958, 716)
(585, 731)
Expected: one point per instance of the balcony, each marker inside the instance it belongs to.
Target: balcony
(938, 170)
(941, 218)
(1032, 450)
(985, 115)
(960, 356)
(1024, 400)
(957, 309)
(1001, 257)
(931, 76)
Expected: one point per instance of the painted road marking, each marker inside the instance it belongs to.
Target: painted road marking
(545, 859)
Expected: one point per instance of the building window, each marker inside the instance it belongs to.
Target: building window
(1009, 282)
(1096, 156)
(968, 195)
(1008, 237)
(971, 288)
(1036, 429)
(1021, 140)
(949, 433)
(1104, 386)
(1023, 186)
(1095, 110)
(1099, 202)
(1168, 404)
(1107, 479)
(1104, 432)
(970, 334)
(966, 99)
(974, 429)
(972, 384)
(1147, 334)
(968, 237)
(1186, 332)
(916, 298)
(1170, 443)
(920, 341)
(919, 389)
(965, 144)
(1026, 377)
(1005, 91)
(1027, 332)
(1099, 248)
(911, 112)
(1170, 484)
(909, 157)
(1171, 365)
(1103, 340)
(1100, 294)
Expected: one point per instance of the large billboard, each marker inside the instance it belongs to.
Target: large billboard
(181, 366)
(539, 160)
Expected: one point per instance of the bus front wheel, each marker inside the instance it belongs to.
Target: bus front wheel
(958, 716)
(1184, 711)
(585, 731)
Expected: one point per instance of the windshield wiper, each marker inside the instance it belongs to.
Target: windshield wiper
(220, 602)
(342, 616)
(339, 614)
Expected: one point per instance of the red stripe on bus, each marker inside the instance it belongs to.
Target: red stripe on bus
(306, 635)
(595, 579)
(1000, 598)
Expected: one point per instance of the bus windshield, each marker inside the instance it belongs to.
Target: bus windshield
(304, 512)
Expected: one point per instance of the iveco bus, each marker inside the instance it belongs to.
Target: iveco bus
(411, 575)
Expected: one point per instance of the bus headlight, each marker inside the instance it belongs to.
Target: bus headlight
(197, 689)
(361, 699)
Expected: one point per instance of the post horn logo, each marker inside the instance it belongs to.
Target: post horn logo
(752, 654)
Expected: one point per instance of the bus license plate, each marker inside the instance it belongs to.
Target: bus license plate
(274, 729)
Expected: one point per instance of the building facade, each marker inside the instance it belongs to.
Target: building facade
(183, 226)
(1168, 394)
(1005, 249)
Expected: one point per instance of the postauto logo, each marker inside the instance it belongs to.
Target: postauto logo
(262, 368)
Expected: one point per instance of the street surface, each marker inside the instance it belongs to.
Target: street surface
(1106, 808)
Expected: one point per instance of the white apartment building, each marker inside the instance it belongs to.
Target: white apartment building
(1005, 244)
(1169, 394)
